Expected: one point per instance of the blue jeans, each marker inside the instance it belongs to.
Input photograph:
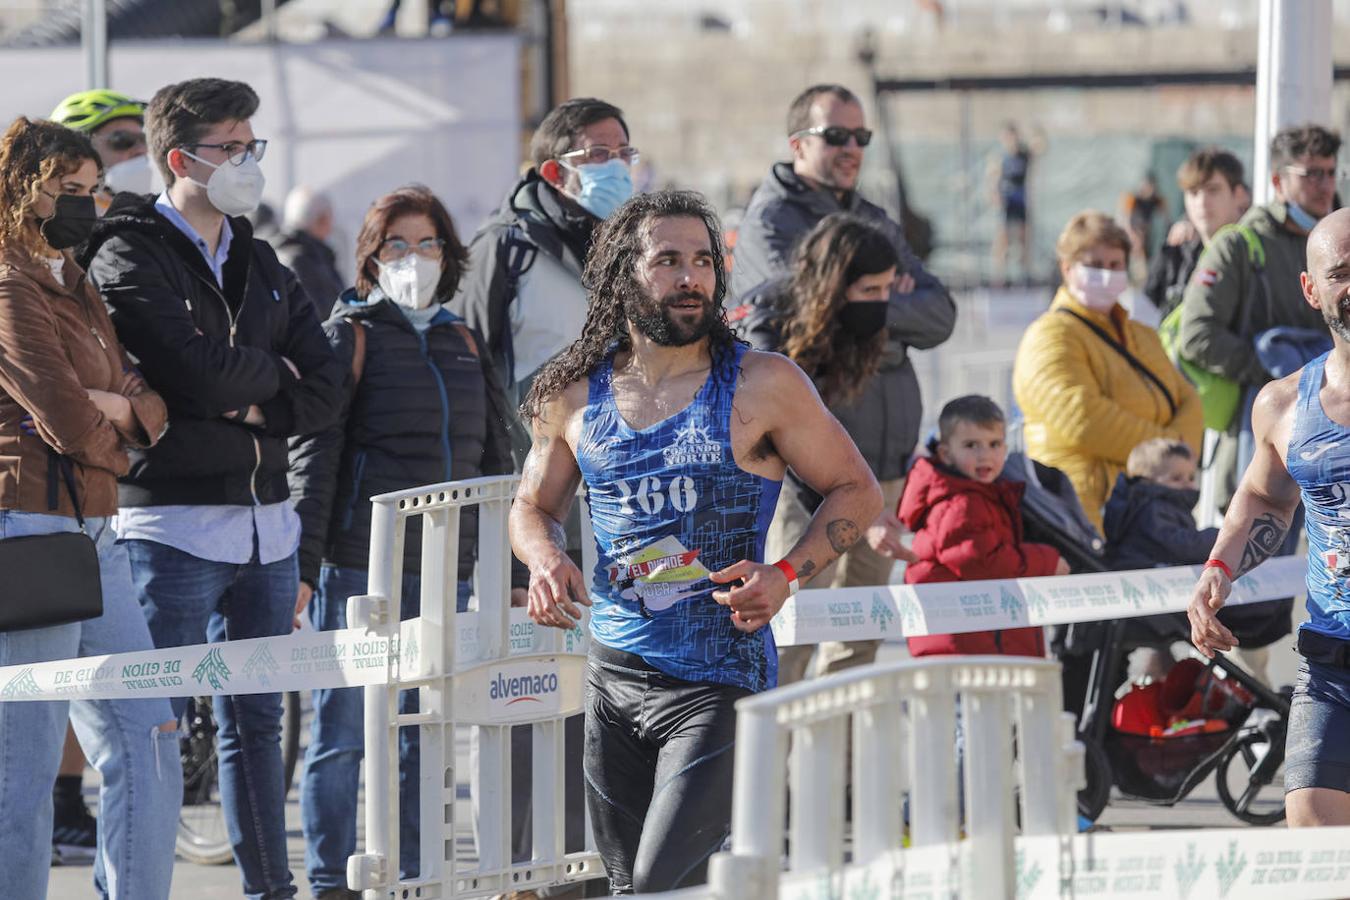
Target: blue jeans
(141, 769)
(187, 599)
(337, 745)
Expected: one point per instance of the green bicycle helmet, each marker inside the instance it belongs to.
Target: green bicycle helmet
(88, 110)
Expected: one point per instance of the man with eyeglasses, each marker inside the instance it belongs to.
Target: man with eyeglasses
(827, 133)
(227, 336)
(114, 124)
(523, 287)
(1245, 292)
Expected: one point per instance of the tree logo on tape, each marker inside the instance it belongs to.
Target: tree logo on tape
(882, 614)
(1230, 868)
(574, 636)
(1027, 876)
(1156, 592)
(212, 669)
(1036, 602)
(261, 665)
(910, 612)
(408, 652)
(22, 685)
(1010, 603)
(1189, 870)
(1132, 593)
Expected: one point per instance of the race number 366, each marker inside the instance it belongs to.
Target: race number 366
(651, 497)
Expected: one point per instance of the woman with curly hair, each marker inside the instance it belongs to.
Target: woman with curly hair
(70, 406)
(829, 317)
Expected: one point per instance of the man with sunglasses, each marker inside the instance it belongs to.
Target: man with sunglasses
(227, 336)
(827, 134)
(115, 125)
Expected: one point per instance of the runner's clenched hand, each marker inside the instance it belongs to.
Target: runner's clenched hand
(556, 587)
(762, 591)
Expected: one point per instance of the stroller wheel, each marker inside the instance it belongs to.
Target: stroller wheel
(1247, 779)
(1097, 765)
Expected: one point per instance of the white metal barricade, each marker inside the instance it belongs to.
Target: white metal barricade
(904, 719)
(490, 669)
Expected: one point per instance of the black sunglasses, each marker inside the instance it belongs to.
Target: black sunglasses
(838, 135)
(122, 141)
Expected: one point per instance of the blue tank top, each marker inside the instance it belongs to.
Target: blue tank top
(669, 505)
(1319, 460)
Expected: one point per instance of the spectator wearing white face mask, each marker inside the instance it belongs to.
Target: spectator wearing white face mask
(1091, 383)
(422, 405)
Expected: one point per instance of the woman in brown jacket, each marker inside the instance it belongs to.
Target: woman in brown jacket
(68, 394)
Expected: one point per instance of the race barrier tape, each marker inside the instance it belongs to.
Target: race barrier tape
(894, 612)
(354, 657)
(304, 660)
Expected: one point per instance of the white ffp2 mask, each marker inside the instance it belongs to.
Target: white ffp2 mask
(410, 281)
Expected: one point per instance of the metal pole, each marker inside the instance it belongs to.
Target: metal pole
(1293, 76)
(94, 42)
(269, 17)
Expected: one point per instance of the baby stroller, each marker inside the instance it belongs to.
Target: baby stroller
(1160, 765)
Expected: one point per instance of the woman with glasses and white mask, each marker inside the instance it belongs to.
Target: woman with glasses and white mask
(422, 406)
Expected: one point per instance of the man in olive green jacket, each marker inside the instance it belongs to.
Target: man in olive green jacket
(1231, 298)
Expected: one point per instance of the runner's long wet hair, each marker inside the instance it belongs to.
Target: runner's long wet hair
(611, 282)
(841, 249)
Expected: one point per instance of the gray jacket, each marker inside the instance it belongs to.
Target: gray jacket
(884, 420)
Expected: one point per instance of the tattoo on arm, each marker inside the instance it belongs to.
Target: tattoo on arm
(842, 534)
(1263, 541)
(807, 569)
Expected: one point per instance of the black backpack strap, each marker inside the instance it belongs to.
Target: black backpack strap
(516, 256)
(1129, 357)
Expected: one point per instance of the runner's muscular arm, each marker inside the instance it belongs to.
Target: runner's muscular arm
(815, 446)
(548, 485)
(1258, 517)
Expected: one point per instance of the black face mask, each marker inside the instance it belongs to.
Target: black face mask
(864, 318)
(71, 222)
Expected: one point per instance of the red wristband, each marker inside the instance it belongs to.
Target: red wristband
(1220, 564)
(786, 568)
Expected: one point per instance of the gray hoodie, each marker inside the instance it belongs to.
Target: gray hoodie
(884, 420)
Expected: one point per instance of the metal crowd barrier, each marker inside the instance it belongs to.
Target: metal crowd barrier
(493, 673)
(904, 719)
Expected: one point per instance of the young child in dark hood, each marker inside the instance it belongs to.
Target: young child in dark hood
(1148, 517)
(967, 524)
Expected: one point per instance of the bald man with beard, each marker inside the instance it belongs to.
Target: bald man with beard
(1301, 425)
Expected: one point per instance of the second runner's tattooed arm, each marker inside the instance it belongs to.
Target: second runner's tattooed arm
(1257, 520)
(803, 433)
(548, 485)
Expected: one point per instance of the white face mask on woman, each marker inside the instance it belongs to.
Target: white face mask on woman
(410, 281)
(1097, 289)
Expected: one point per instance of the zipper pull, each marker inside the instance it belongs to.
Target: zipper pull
(99, 337)
(233, 328)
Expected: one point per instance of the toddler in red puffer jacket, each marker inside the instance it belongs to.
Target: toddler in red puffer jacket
(967, 524)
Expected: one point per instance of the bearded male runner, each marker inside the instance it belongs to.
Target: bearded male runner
(682, 435)
(1302, 448)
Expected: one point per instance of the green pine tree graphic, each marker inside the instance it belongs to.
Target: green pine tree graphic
(882, 614)
(22, 685)
(212, 669)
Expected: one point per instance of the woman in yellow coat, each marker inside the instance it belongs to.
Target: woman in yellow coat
(1092, 384)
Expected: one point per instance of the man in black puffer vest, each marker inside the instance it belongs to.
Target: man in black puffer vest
(228, 338)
